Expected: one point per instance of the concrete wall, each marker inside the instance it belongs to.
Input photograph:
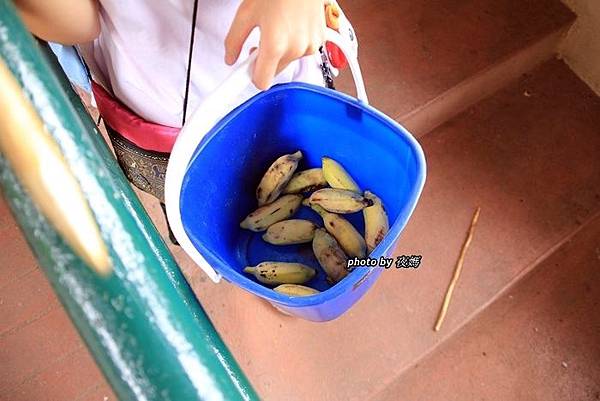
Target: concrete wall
(581, 47)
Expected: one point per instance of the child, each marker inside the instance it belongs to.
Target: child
(153, 62)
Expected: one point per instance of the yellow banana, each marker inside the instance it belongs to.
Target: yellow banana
(306, 181)
(295, 290)
(275, 273)
(276, 178)
(339, 200)
(331, 257)
(336, 176)
(343, 231)
(287, 232)
(267, 215)
(376, 222)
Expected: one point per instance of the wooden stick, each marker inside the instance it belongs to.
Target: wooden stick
(457, 271)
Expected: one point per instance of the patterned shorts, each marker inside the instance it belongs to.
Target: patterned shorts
(143, 168)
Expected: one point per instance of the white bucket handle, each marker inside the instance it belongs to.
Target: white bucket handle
(205, 117)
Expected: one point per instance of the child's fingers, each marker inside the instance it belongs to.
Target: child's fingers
(281, 59)
(238, 33)
(284, 62)
(295, 52)
(267, 61)
(264, 71)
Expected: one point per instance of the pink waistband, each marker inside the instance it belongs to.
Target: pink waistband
(146, 135)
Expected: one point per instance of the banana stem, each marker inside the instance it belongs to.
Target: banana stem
(249, 269)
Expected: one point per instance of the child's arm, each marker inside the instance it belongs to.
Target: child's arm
(62, 21)
(289, 29)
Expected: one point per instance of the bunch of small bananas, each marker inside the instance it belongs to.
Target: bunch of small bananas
(333, 193)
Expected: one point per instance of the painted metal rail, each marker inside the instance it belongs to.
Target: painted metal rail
(130, 303)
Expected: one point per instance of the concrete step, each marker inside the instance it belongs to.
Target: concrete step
(426, 61)
(539, 341)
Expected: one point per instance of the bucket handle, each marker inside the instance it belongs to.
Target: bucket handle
(206, 116)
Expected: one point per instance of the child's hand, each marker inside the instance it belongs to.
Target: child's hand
(289, 29)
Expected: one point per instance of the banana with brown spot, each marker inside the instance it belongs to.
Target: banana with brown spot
(277, 177)
(339, 200)
(289, 232)
(330, 255)
(265, 216)
(343, 231)
(376, 221)
(275, 273)
(295, 290)
(336, 176)
(306, 181)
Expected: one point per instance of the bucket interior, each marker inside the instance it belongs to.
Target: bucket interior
(218, 190)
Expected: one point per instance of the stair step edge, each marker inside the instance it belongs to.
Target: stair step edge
(483, 84)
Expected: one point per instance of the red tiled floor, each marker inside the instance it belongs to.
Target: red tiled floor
(15, 259)
(540, 341)
(42, 356)
(71, 377)
(38, 345)
(30, 296)
(412, 51)
(97, 393)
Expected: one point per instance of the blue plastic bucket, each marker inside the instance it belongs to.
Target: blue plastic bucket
(218, 187)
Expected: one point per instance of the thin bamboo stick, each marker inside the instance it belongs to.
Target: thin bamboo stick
(457, 271)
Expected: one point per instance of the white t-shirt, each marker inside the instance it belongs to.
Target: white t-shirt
(141, 54)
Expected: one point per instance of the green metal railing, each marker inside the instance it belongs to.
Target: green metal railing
(142, 322)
